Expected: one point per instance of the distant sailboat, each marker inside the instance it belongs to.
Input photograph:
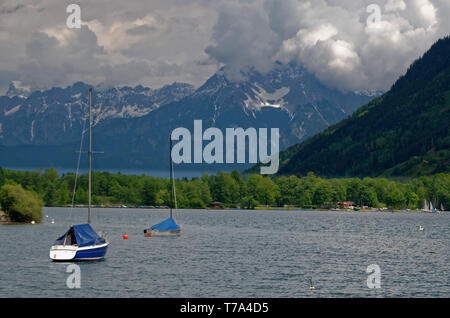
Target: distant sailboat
(81, 242)
(168, 227)
(426, 207)
(433, 209)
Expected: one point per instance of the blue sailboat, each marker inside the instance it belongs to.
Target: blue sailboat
(167, 227)
(81, 242)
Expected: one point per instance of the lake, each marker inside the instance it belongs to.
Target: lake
(234, 253)
(189, 174)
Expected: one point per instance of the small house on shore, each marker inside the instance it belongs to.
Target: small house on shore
(346, 205)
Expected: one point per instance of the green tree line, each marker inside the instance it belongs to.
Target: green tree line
(232, 189)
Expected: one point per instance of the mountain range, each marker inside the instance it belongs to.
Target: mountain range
(404, 132)
(132, 124)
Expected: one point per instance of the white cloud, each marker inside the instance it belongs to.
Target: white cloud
(395, 5)
(427, 11)
(333, 40)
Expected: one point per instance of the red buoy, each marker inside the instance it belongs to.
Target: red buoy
(125, 236)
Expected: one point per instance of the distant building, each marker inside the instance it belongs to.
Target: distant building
(346, 205)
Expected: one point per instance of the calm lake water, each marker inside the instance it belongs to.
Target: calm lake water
(236, 254)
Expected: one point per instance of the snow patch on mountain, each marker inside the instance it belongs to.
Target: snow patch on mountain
(12, 110)
(262, 98)
(132, 111)
(371, 93)
(32, 130)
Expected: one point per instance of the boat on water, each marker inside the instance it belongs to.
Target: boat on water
(81, 242)
(428, 207)
(167, 227)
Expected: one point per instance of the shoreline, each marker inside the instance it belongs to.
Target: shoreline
(7, 222)
(256, 209)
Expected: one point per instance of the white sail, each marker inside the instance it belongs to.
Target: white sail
(431, 206)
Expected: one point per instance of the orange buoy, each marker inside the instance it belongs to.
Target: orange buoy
(125, 236)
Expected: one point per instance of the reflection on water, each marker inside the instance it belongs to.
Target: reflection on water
(235, 254)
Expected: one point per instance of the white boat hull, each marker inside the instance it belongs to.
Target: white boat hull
(75, 253)
(62, 252)
(155, 233)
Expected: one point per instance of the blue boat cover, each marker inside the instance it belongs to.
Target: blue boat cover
(82, 235)
(166, 225)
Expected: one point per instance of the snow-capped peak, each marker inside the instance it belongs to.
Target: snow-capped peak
(16, 88)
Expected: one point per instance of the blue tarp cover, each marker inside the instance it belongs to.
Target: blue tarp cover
(166, 225)
(83, 235)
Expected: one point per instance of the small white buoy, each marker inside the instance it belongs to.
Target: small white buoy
(32, 222)
(53, 221)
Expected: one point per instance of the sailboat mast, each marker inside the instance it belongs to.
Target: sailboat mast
(90, 154)
(171, 175)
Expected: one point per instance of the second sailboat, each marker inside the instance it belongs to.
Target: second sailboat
(168, 227)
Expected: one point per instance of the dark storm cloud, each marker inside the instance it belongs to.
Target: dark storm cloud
(242, 39)
(9, 10)
(161, 41)
(120, 43)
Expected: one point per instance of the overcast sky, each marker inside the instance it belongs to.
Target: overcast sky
(156, 42)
